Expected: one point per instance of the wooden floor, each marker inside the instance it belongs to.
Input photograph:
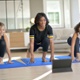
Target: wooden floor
(38, 73)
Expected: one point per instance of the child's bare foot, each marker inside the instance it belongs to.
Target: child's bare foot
(10, 62)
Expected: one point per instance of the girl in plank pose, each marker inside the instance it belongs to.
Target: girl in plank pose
(4, 44)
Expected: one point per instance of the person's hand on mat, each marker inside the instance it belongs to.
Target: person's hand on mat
(32, 60)
(44, 59)
(51, 58)
(73, 58)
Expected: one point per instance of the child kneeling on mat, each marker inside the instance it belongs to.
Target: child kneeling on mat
(4, 44)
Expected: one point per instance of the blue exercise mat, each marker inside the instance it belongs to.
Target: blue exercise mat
(38, 62)
(62, 57)
(15, 64)
(66, 57)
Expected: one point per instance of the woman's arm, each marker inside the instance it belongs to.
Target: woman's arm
(73, 45)
(32, 49)
(52, 48)
(7, 47)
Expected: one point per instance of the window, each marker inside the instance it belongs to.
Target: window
(2, 12)
(15, 14)
(26, 13)
(55, 12)
(19, 14)
(10, 15)
(58, 12)
(54, 17)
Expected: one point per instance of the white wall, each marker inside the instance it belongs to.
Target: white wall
(79, 9)
(35, 7)
(67, 14)
(75, 12)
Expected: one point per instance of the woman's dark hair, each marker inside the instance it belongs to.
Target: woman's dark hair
(38, 16)
(77, 27)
